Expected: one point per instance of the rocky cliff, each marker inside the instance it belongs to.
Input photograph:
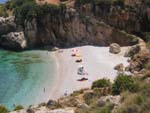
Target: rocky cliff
(132, 16)
(71, 29)
(7, 25)
(92, 23)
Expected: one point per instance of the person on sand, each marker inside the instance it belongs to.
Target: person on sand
(14, 105)
(44, 90)
(65, 94)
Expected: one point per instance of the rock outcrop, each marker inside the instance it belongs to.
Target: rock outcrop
(114, 48)
(7, 25)
(119, 67)
(13, 40)
(129, 15)
(139, 61)
(109, 99)
(69, 29)
(132, 51)
(45, 110)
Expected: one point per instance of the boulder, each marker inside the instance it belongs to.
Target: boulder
(132, 51)
(88, 94)
(7, 25)
(70, 101)
(55, 48)
(119, 67)
(109, 99)
(14, 40)
(51, 103)
(115, 48)
(101, 103)
(83, 106)
(139, 61)
(30, 111)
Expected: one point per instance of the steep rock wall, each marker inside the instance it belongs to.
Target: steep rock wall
(71, 29)
(132, 16)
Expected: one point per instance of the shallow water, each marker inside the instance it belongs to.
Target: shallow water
(25, 78)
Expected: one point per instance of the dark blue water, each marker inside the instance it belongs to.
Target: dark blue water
(23, 77)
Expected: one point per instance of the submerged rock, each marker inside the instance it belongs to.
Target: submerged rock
(115, 48)
(13, 40)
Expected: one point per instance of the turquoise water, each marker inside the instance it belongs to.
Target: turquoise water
(25, 78)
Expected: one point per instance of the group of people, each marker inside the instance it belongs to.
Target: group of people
(81, 71)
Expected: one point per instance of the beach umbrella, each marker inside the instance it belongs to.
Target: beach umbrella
(74, 50)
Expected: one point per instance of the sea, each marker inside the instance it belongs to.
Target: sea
(26, 78)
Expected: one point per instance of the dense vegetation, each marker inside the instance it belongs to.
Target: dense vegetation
(28, 9)
(101, 83)
(139, 101)
(114, 2)
(3, 11)
(134, 91)
(19, 107)
(123, 83)
(3, 109)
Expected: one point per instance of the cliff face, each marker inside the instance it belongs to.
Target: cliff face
(82, 24)
(132, 16)
(71, 29)
(7, 25)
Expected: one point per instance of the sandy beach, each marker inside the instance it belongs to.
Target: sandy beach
(98, 63)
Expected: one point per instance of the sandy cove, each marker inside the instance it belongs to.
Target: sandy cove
(98, 62)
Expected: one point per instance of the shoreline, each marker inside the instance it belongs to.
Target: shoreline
(66, 76)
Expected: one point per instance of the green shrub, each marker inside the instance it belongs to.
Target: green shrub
(3, 109)
(134, 39)
(146, 36)
(26, 11)
(107, 109)
(3, 11)
(18, 3)
(19, 107)
(101, 83)
(123, 83)
(118, 3)
(82, 2)
(30, 10)
(146, 75)
(148, 45)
